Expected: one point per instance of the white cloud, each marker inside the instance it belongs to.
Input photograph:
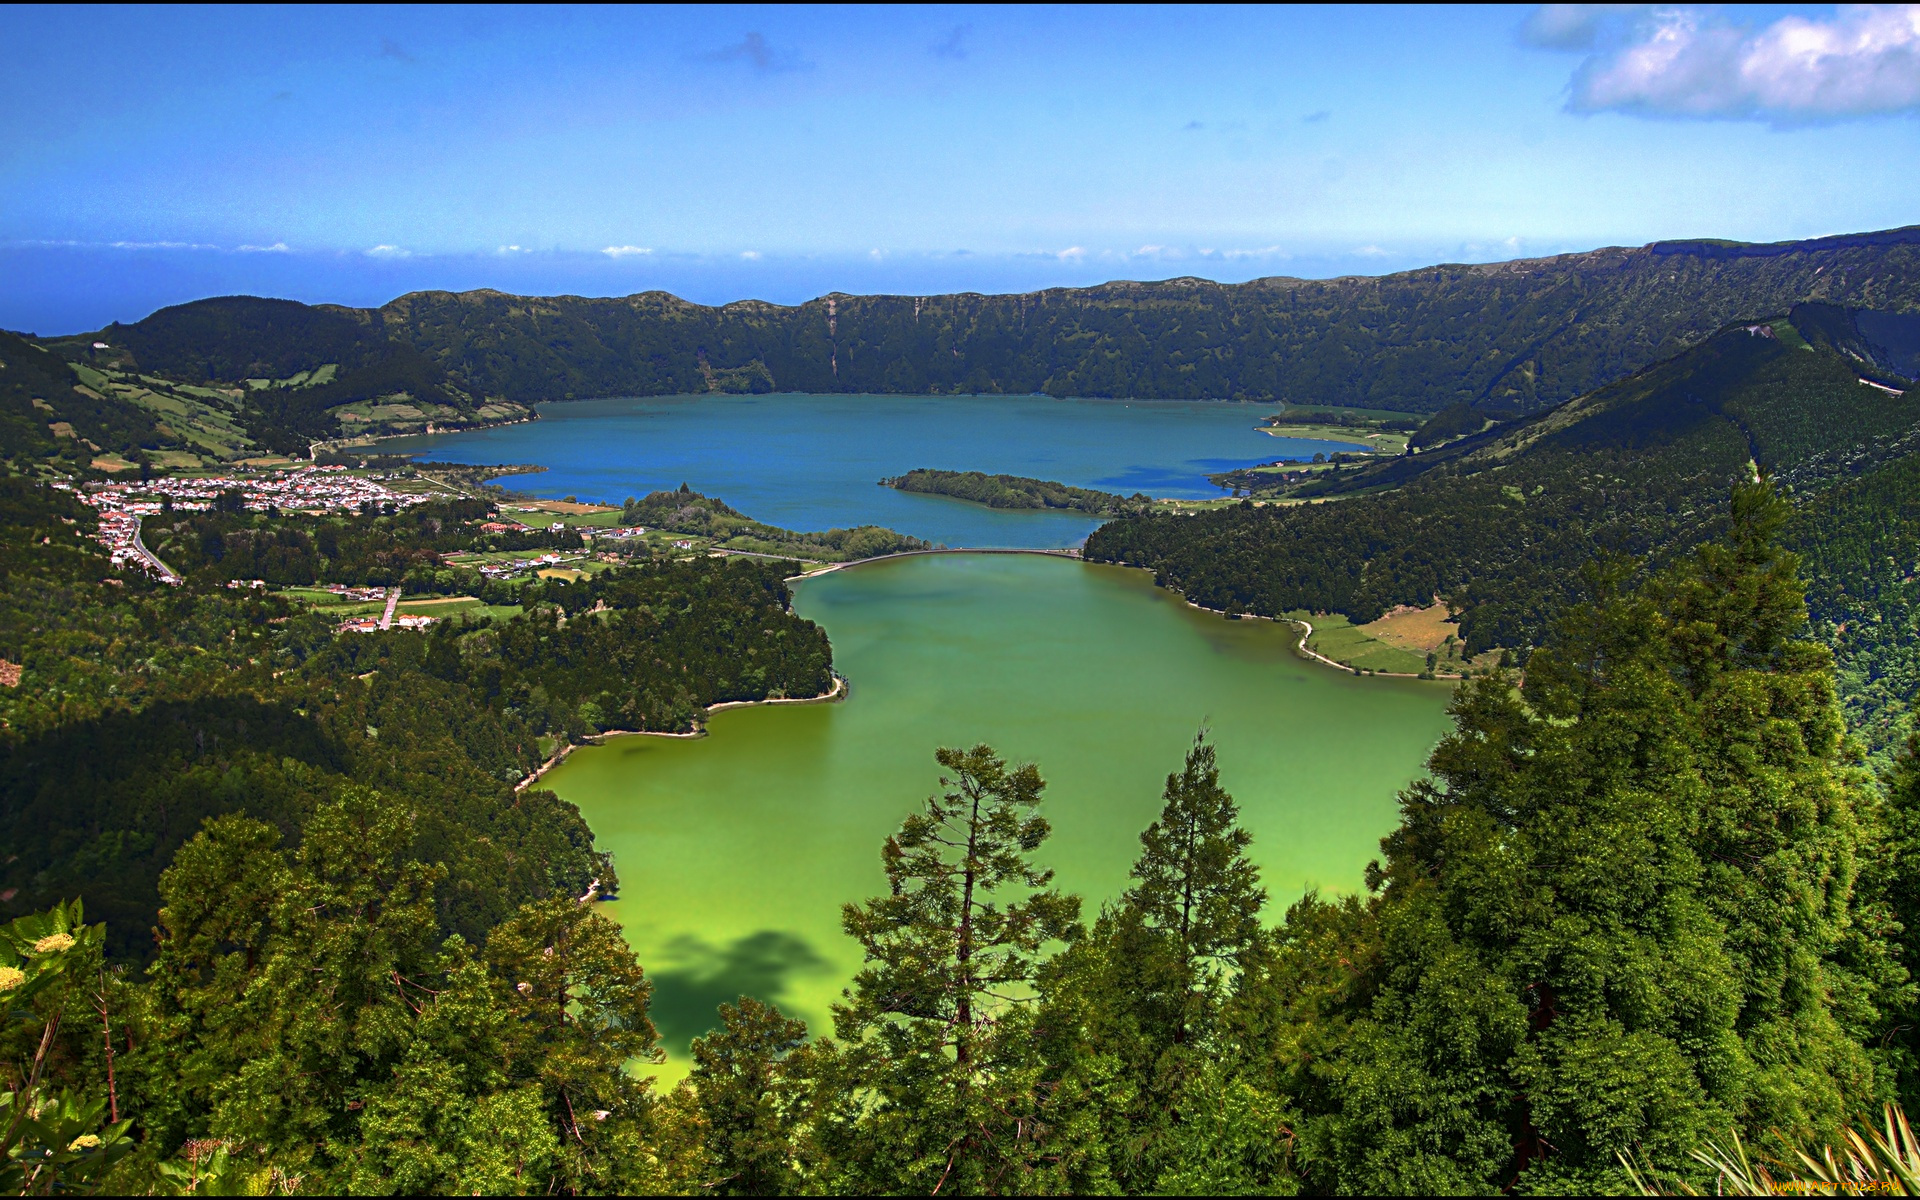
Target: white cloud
(158, 245)
(1071, 253)
(876, 254)
(110, 245)
(1262, 252)
(509, 250)
(1369, 252)
(1689, 62)
(276, 248)
(384, 251)
(750, 255)
(626, 251)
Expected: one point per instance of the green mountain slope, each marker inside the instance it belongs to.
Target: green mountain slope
(242, 337)
(295, 374)
(1860, 554)
(50, 417)
(1502, 523)
(1523, 335)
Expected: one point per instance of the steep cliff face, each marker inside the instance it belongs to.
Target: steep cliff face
(1525, 334)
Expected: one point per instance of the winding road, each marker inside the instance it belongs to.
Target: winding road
(147, 556)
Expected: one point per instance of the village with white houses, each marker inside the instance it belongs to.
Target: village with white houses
(303, 489)
(123, 504)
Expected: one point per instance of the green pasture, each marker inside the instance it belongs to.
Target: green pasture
(1337, 638)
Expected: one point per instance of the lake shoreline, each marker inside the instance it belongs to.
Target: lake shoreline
(808, 461)
(1300, 646)
(742, 847)
(836, 693)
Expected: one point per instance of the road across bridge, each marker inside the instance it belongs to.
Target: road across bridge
(1070, 552)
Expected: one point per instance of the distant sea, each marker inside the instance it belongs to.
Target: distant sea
(814, 462)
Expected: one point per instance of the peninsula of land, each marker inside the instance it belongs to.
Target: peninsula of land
(1016, 491)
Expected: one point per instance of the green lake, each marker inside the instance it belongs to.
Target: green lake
(736, 850)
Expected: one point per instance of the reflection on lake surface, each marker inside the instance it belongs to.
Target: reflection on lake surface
(736, 851)
(813, 462)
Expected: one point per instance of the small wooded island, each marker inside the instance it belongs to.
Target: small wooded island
(1016, 491)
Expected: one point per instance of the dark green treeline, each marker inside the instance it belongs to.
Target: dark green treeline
(1643, 899)
(1522, 334)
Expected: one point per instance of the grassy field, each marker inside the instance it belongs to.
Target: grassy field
(1429, 630)
(1420, 630)
(1398, 642)
(336, 607)
(1343, 642)
(1377, 441)
(542, 513)
(476, 558)
(203, 417)
(465, 608)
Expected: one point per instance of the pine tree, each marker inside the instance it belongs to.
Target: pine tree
(1196, 893)
(935, 1026)
(750, 1082)
(1129, 1009)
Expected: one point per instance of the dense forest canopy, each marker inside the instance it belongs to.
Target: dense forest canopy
(1014, 491)
(1521, 334)
(687, 511)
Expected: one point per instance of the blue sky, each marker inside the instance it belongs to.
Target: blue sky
(156, 155)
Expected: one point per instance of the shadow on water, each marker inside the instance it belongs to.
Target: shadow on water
(703, 976)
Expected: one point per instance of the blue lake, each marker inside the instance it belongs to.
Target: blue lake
(814, 462)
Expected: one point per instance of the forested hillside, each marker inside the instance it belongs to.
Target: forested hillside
(1520, 334)
(1013, 491)
(296, 373)
(1644, 906)
(687, 511)
(136, 711)
(1500, 524)
(50, 418)
(1860, 553)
